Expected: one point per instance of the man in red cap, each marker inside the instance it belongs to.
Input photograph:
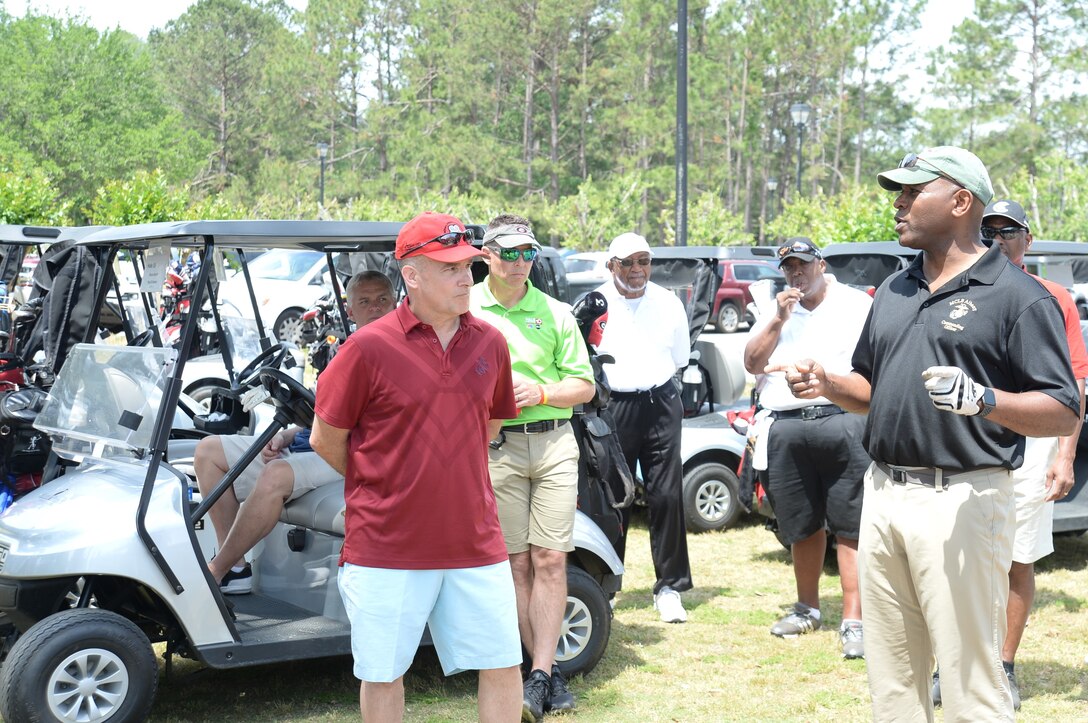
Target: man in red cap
(405, 411)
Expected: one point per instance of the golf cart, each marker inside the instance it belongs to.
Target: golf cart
(108, 559)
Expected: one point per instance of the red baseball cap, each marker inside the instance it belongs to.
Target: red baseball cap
(437, 236)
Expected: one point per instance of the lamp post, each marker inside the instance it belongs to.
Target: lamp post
(772, 186)
(799, 112)
(322, 152)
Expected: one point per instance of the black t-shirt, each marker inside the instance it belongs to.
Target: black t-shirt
(996, 323)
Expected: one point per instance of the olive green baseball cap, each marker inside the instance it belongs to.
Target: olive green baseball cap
(958, 165)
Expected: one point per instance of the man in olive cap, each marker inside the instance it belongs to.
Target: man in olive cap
(962, 356)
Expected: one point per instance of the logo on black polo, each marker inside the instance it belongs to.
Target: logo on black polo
(959, 308)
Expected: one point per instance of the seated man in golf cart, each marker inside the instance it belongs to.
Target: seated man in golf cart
(287, 467)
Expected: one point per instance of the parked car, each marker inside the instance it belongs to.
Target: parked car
(733, 297)
(586, 271)
(286, 283)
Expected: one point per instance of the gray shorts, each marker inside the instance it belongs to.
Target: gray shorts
(310, 470)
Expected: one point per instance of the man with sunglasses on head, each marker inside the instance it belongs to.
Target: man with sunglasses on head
(815, 461)
(962, 357)
(1047, 472)
(405, 411)
(534, 458)
(647, 334)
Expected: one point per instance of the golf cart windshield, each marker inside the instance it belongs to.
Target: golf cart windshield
(106, 397)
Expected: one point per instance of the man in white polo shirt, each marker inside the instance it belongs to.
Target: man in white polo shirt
(647, 334)
(815, 459)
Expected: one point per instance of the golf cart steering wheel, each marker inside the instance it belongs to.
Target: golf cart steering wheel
(289, 394)
(272, 357)
(142, 338)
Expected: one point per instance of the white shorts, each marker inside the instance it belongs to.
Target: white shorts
(471, 613)
(310, 470)
(1034, 537)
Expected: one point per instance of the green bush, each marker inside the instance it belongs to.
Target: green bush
(144, 198)
(30, 197)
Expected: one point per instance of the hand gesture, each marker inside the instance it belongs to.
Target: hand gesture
(806, 378)
(951, 390)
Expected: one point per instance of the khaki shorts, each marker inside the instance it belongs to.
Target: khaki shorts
(310, 470)
(535, 477)
(1034, 537)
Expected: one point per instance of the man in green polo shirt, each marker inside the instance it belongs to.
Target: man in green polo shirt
(534, 460)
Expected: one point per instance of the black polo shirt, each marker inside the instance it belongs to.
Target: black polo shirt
(996, 323)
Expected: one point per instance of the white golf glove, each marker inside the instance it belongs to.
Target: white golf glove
(951, 390)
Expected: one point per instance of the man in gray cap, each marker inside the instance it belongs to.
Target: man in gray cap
(534, 459)
(962, 356)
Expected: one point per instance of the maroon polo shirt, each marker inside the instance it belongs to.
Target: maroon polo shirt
(417, 486)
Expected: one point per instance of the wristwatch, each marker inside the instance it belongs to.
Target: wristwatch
(987, 403)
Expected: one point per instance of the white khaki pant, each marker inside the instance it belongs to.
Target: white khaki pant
(933, 568)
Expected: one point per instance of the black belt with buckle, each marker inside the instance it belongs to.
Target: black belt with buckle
(814, 412)
(545, 425)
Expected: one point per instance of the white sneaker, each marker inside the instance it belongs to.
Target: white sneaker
(667, 602)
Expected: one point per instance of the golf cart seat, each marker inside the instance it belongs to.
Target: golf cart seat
(320, 509)
(724, 367)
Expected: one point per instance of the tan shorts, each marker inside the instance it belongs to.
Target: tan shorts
(535, 477)
(1034, 537)
(310, 470)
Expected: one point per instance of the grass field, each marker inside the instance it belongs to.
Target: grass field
(723, 665)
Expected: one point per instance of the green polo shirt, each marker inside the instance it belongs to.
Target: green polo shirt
(545, 345)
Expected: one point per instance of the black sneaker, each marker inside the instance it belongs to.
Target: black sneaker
(561, 697)
(535, 694)
(1012, 685)
(237, 583)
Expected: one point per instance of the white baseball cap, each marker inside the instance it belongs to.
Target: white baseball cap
(628, 244)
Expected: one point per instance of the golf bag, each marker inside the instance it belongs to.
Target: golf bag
(605, 483)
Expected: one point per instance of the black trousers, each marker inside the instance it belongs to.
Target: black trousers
(648, 424)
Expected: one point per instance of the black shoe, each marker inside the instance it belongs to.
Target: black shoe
(935, 691)
(1013, 685)
(237, 583)
(535, 694)
(561, 697)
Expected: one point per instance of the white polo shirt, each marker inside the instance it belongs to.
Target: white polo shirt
(827, 334)
(647, 336)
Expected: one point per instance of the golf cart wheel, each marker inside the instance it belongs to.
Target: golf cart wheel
(288, 327)
(587, 624)
(728, 320)
(80, 665)
(711, 497)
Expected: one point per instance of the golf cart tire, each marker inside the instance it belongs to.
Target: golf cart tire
(729, 318)
(711, 497)
(36, 680)
(586, 627)
(288, 327)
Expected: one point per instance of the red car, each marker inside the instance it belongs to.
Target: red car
(733, 297)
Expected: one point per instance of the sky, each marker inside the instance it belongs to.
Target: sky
(140, 16)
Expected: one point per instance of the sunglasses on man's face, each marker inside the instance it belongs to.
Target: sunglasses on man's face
(513, 254)
(911, 160)
(447, 239)
(628, 263)
(1006, 232)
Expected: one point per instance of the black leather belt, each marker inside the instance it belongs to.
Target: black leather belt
(925, 476)
(815, 412)
(545, 425)
(640, 392)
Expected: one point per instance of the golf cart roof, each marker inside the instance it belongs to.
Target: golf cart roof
(34, 235)
(316, 235)
(714, 252)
